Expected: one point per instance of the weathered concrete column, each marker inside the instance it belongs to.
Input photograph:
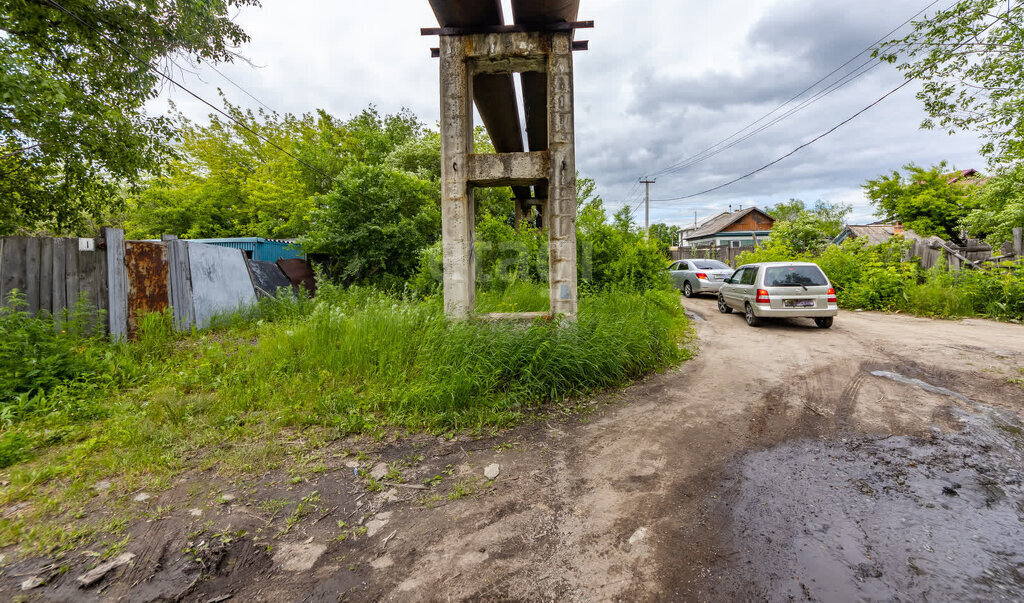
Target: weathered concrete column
(560, 209)
(456, 194)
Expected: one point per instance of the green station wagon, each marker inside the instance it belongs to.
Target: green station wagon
(779, 290)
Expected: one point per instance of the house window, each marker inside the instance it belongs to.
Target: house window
(735, 243)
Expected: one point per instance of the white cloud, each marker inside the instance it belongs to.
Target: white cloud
(661, 81)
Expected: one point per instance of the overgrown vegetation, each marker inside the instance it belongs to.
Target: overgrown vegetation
(352, 361)
(73, 126)
(883, 277)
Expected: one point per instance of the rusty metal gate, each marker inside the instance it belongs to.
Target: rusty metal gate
(146, 267)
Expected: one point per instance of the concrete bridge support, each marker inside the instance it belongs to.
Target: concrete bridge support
(463, 57)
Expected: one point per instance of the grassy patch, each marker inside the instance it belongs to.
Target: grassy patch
(275, 385)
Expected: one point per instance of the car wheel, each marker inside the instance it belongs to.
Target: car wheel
(823, 323)
(687, 289)
(723, 307)
(752, 320)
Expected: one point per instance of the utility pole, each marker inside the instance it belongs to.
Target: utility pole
(647, 204)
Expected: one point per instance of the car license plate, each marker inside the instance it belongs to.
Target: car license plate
(799, 303)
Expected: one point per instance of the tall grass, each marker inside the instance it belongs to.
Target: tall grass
(367, 358)
(518, 296)
(350, 361)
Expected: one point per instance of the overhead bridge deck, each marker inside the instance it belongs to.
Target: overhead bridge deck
(494, 94)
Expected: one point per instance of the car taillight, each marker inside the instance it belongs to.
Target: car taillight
(762, 297)
(702, 276)
(831, 295)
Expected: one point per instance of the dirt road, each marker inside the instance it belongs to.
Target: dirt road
(879, 459)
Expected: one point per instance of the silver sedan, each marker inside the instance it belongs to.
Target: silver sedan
(699, 276)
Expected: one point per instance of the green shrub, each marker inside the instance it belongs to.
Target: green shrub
(640, 267)
(13, 448)
(38, 353)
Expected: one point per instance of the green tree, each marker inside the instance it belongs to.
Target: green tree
(372, 227)
(73, 129)
(228, 182)
(970, 58)
(662, 234)
(787, 211)
(807, 229)
(1000, 207)
(922, 199)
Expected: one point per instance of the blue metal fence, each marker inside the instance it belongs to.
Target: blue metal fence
(258, 248)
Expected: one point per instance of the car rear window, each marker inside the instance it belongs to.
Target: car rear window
(794, 276)
(710, 265)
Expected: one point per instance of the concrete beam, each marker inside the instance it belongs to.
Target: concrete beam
(508, 169)
(509, 45)
(494, 93)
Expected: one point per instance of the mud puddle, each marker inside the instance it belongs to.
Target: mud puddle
(895, 518)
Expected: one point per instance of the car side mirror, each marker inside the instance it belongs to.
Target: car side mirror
(729, 280)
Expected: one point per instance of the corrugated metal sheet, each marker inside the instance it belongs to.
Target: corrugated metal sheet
(267, 277)
(258, 248)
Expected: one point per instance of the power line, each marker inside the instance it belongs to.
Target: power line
(794, 151)
(838, 84)
(796, 96)
(808, 143)
(150, 67)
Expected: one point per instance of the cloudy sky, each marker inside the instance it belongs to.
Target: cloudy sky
(663, 81)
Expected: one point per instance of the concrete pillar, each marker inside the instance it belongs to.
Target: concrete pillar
(456, 194)
(560, 208)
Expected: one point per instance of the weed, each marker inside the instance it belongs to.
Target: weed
(302, 509)
(464, 487)
(393, 474)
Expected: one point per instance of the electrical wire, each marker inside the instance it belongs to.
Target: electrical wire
(794, 151)
(808, 143)
(185, 89)
(700, 154)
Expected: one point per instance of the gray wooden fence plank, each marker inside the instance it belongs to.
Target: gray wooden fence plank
(58, 287)
(32, 274)
(14, 266)
(1018, 241)
(46, 274)
(102, 295)
(92, 273)
(180, 283)
(117, 289)
(71, 271)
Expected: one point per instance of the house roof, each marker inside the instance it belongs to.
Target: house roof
(686, 230)
(874, 233)
(722, 221)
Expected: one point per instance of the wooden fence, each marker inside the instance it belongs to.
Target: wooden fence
(53, 274)
(975, 254)
(128, 279)
(722, 254)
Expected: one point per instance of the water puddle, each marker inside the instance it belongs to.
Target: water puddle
(895, 518)
(928, 387)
